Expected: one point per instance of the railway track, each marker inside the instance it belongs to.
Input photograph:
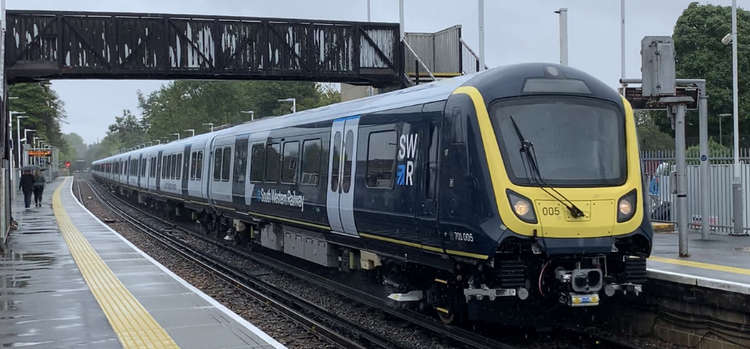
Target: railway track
(307, 314)
(458, 335)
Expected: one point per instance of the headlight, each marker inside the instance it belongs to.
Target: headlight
(626, 206)
(522, 207)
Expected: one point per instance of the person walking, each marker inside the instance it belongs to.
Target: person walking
(39, 182)
(26, 183)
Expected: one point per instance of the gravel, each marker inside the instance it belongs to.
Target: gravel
(266, 318)
(403, 334)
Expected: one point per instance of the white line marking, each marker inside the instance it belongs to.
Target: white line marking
(700, 281)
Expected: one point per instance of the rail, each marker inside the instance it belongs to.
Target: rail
(457, 334)
(280, 300)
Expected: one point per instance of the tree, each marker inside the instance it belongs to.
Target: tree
(43, 108)
(700, 54)
(650, 136)
(185, 104)
(75, 148)
(127, 131)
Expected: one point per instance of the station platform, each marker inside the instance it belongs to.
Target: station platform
(719, 262)
(69, 281)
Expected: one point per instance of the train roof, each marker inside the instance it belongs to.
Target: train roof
(496, 83)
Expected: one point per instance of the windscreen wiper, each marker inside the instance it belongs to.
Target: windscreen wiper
(528, 154)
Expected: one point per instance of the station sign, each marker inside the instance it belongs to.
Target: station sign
(637, 100)
(40, 153)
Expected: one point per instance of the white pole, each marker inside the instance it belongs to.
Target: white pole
(563, 35)
(368, 11)
(622, 39)
(401, 18)
(18, 137)
(737, 184)
(481, 34)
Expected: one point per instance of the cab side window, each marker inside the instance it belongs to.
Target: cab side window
(381, 158)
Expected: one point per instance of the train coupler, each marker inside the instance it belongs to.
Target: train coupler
(573, 299)
(493, 293)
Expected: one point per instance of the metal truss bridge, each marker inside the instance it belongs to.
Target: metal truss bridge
(97, 45)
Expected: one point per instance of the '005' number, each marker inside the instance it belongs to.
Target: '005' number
(551, 211)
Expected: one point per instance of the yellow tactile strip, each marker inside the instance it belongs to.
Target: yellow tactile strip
(132, 323)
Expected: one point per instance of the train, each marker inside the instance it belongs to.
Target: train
(518, 186)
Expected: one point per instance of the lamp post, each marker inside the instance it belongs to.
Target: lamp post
(563, 12)
(252, 114)
(25, 138)
(737, 191)
(209, 124)
(191, 130)
(294, 103)
(18, 137)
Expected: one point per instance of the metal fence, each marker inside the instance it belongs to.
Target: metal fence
(658, 167)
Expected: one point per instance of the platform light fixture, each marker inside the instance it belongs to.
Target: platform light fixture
(293, 101)
(191, 130)
(252, 114)
(209, 124)
(18, 135)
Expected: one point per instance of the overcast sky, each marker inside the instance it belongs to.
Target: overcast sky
(516, 32)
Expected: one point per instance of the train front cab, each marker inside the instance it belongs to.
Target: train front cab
(519, 229)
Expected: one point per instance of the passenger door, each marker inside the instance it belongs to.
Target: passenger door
(185, 169)
(429, 147)
(342, 164)
(158, 171)
(239, 175)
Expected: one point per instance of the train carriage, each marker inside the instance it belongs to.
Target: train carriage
(516, 184)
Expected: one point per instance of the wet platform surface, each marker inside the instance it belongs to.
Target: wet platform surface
(721, 261)
(46, 302)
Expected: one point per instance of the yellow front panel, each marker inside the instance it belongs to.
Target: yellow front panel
(600, 219)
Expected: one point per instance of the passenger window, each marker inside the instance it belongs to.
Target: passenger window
(289, 165)
(346, 181)
(226, 164)
(217, 164)
(336, 148)
(240, 161)
(257, 166)
(311, 152)
(381, 157)
(272, 162)
(199, 166)
(179, 166)
(165, 168)
(144, 162)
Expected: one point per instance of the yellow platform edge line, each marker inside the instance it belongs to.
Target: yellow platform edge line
(701, 265)
(134, 326)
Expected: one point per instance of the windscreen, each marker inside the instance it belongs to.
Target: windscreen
(577, 141)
